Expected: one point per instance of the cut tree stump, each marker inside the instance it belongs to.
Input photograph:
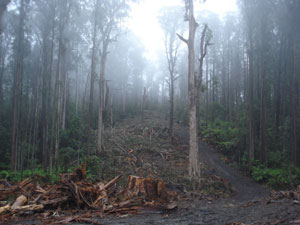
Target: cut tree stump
(148, 188)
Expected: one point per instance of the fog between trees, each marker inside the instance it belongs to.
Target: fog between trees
(70, 70)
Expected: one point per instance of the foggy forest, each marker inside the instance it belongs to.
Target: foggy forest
(150, 112)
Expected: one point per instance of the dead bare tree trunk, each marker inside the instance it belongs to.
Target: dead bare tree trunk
(170, 26)
(194, 167)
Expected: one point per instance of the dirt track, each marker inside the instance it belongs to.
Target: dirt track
(247, 189)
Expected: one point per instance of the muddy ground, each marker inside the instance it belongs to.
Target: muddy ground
(237, 199)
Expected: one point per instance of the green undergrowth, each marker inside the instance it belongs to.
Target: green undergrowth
(287, 177)
(17, 176)
(225, 135)
(94, 165)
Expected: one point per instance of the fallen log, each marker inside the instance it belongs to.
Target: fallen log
(100, 200)
(13, 189)
(73, 191)
(4, 208)
(20, 201)
(110, 183)
(55, 201)
(27, 208)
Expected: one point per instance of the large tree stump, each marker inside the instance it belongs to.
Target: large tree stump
(148, 188)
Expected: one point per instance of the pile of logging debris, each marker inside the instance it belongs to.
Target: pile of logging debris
(74, 192)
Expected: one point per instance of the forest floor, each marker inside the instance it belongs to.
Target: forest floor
(225, 195)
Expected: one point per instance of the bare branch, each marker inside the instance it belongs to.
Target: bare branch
(176, 78)
(183, 39)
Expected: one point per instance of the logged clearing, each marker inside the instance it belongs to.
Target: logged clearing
(143, 180)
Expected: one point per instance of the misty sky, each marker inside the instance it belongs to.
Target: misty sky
(143, 21)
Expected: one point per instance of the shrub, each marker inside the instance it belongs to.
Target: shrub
(93, 165)
(222, 133)
(277, 178)
(67, 157)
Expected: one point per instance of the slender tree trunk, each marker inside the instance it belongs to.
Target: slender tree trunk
(3, 52)
(45, 96)
(36, 109)
(229, 87)
(203, 49)
(294, 104)
(224, 92)
(251, 102)
(111, 111)
(17, 85)
(55, 108)
(144, 104)
(124, 100)
(2, 69)
(263, 153)
(85, 92)
(171, 116)
(278, 89)
(107, 93)
(57, 111)
(92, 81)
(101, 95)
(64, 99)
(238, 87)
(207, 94)
(76, 90)
(213, 88)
